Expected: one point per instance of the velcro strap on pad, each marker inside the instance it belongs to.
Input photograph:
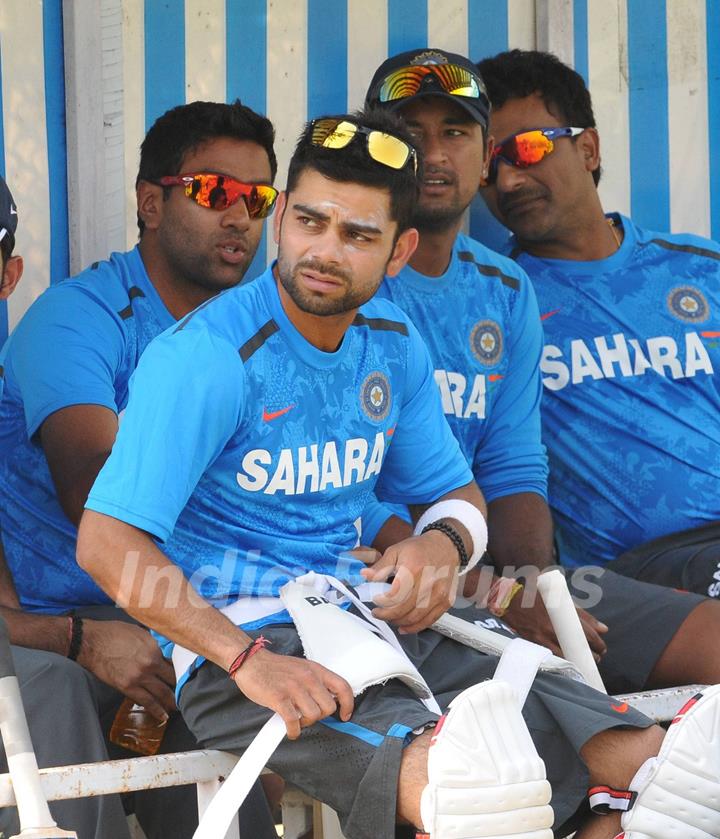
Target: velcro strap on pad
(605, 800)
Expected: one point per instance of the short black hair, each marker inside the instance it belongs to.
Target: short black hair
(186, 127)
(519, 73)
(353, 164)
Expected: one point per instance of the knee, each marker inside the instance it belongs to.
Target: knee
(614, 756)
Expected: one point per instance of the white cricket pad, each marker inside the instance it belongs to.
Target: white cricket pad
(678, 792)
(347, 644)
(485, 778)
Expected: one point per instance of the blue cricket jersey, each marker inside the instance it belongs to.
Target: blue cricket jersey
(631, 403)
(481, 324)
(250, 453)
(77, 344)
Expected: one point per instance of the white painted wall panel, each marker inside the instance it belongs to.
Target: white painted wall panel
(26, 155)
(688, 117)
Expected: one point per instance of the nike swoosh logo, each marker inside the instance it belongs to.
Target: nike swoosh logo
(621, 709)
(268, 416)
(549, 314)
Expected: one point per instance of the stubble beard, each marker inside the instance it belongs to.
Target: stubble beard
(315, 303)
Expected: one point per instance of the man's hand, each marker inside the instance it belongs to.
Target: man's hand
(533, 624)
(301, 691)
(126, 657)
(425, 581)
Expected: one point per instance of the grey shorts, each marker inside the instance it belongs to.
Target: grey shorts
(642, 619)
(354, 766)
(688, 559)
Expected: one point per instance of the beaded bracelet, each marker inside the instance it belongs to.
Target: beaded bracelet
(247, 653)
(454, 537)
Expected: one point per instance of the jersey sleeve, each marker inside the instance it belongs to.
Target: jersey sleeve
(186, 401)
(65, 351)
(424, 460)
(374, 516)
(512, 458)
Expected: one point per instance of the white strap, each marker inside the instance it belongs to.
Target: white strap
(227, 800)
(519, 664)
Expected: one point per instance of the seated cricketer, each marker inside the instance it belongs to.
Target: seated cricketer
(255, 432)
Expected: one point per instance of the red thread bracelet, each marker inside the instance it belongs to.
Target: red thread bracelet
(247, 653)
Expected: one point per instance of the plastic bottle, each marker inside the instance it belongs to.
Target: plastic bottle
(136, 729)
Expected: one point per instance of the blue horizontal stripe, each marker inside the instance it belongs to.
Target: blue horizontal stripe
(399, 730)
(354, 730)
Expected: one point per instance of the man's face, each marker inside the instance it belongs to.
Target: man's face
(336, 241)
(454, 155)
(205, 247)
(544, 201)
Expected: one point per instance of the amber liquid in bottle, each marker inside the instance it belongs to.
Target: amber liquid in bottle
(137, 729)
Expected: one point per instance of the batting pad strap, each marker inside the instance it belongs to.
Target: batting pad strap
(605, 800)
(469, 517)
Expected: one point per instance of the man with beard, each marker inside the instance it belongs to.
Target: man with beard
(66, 372)
(305, 394)
(630, 364)
(478, 314)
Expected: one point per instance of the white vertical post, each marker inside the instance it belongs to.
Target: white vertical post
(206, 791)
(554, 28)
(85, 138)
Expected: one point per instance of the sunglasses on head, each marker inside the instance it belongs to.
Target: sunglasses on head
(218, 192)
(383, 148)
(407, 81)
(526, 148)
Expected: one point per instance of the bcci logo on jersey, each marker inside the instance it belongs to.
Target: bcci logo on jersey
(486, 342)
(375, 396)
(688, 304)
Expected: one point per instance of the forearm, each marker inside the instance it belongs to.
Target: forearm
(520, 533)
(39, 632)
(393, 531)
(128, 566)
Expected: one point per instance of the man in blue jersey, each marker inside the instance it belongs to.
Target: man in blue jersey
(203, 189)
(255, 432)
(478, 314)
(41, 679)
(629, 362)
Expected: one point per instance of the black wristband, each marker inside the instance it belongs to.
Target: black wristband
(454, 537)
(76, 637)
